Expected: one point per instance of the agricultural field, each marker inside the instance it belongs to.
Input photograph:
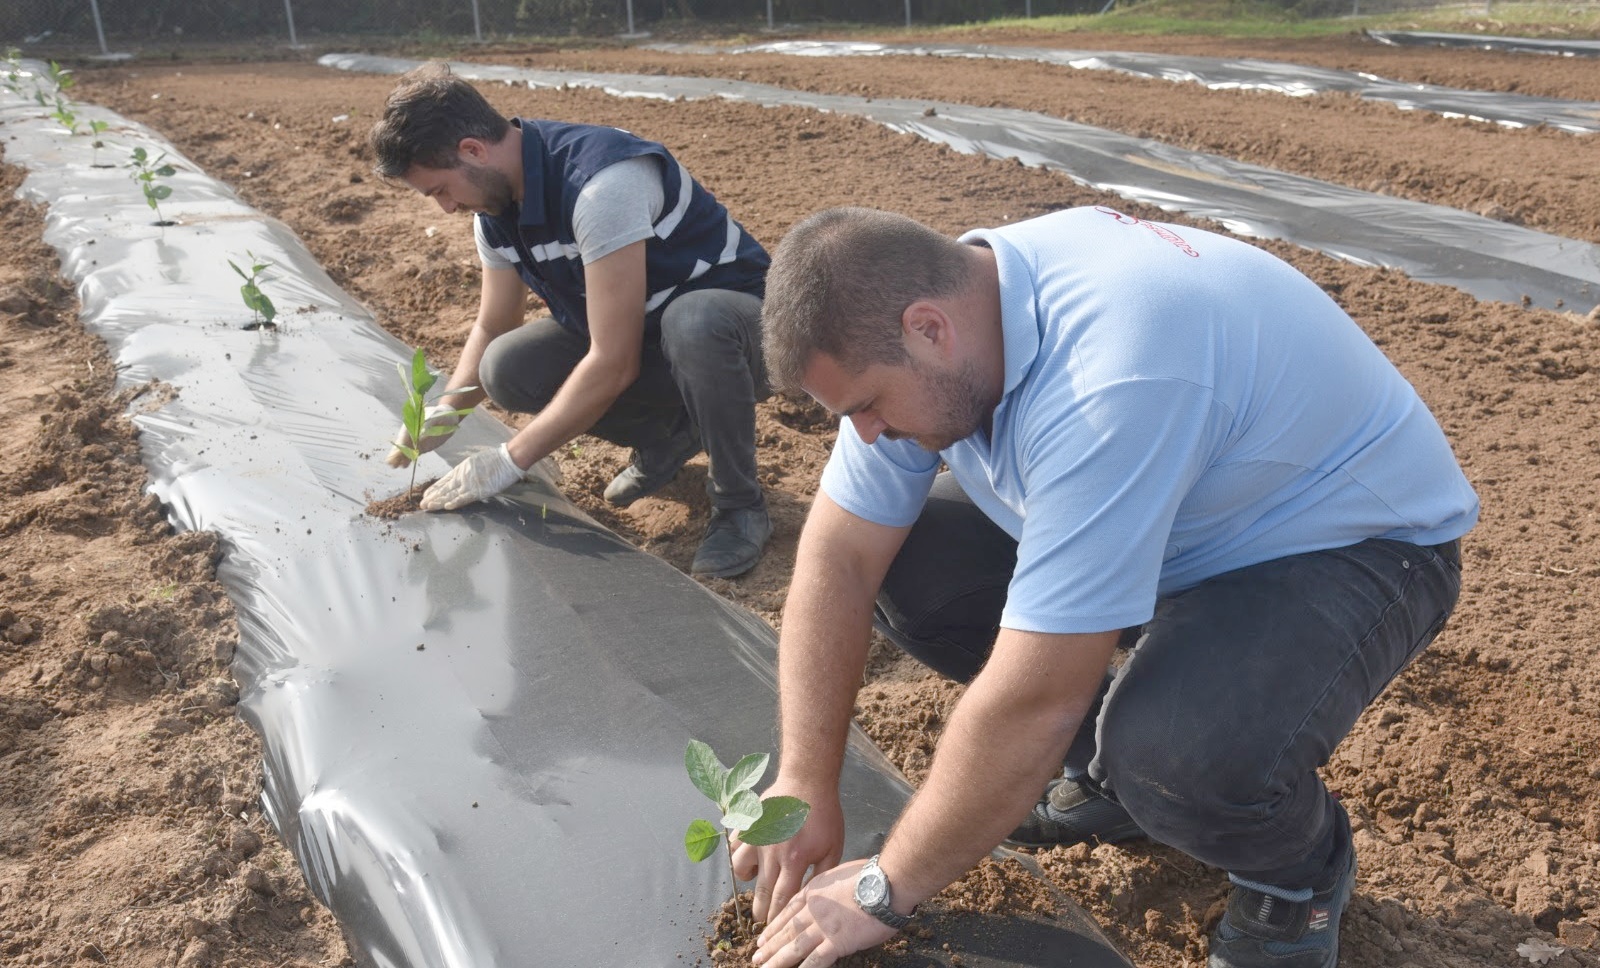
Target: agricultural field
(130, 830)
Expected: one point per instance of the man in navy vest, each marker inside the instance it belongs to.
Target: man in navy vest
(653, 340)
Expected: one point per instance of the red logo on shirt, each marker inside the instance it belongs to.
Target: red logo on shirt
(1159, 230)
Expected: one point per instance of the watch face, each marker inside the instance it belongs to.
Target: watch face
(871, 888)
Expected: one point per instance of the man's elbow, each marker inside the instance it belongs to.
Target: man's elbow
(618, 373)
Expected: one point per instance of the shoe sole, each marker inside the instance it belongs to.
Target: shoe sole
(1116, 835)
(733, 572)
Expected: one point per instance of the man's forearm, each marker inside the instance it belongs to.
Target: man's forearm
(465, 373)
(821, 657)
(827, 628)
(588, 392)
(1005, 740)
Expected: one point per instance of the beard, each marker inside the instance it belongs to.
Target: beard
(960, 407)
(494, 189)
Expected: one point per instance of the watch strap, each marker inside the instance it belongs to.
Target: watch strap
(881, 910)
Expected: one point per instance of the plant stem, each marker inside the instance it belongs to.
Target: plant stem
(738, 915)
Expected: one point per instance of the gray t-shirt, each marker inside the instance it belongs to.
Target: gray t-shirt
(616, 208)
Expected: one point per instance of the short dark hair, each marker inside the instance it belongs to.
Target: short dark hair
(840, 282)
(425, 118)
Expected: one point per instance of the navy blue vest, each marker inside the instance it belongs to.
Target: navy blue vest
(696, 245)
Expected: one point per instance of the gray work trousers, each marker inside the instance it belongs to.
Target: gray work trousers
(702, 368)
(1233, 694)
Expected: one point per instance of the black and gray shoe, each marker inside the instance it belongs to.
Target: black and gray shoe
(733, 542)
(1071, 813)
(1270, 927)
(653, 468)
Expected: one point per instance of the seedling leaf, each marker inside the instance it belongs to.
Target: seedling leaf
(706, 772)
(700, 840)
(418, 379)
(773, 820)
(744, 776)
(781, 818)
(743, 810)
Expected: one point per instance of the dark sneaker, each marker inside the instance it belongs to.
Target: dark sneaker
(1263, 929)
(1071, 813)
(733, 542)
(653, 468)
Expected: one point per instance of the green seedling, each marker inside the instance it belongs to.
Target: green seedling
(146, 171)
(11, 72)
(252, 294)
(64, 115)
(95, 127)
(754, 821)
(414, 414)
(60, 77)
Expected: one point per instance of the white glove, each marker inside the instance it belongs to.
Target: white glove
(479, 477)
(436, 418)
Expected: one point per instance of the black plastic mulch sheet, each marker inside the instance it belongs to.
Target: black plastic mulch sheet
(474, 723)
(1515, 45)
(1486, 258)
(1223, 74)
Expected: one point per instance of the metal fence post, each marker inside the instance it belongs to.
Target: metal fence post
(288, 11)
(769, 15)
(908, 14)
(99, 30)
(477, 28)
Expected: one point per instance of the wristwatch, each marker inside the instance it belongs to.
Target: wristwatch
(873, 895)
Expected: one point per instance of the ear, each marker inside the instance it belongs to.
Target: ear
(927, 330)
(473, 150)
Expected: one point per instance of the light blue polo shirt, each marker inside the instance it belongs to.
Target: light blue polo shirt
(1177, 404)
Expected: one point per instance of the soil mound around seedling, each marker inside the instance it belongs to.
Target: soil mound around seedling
(390, 508)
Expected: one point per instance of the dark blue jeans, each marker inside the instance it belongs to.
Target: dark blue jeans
(1231, 697)
(703, 367)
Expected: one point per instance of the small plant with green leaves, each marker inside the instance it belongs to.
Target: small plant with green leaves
(60, 77)
(414, 415)
(11, 72)
(64, 115)
(96, 126)
(252, 294)
(146, 170)
(754, 821)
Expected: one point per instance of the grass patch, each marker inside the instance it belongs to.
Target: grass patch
(1311, 18)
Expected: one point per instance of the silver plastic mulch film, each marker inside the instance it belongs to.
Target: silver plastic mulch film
(1223, 74)
(1515, 45)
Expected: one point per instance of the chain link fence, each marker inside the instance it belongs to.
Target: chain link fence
(174, 23)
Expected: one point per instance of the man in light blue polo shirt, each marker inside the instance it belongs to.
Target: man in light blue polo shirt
(1156, 437)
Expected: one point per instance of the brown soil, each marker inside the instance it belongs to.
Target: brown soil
(392, 507)
(129, 829)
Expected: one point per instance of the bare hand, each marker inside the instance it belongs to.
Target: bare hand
(780, 869)
(821, 925)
